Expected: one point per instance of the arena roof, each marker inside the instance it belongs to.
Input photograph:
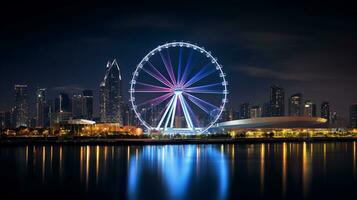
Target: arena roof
(274, 122)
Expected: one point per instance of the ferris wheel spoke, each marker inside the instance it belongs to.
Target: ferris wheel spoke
(204, 105)
(156, 74)
(179, 66)
(152, 91)
(205, 89)
(168, 66)
(187, 69)
(150, 86)
(157, 100)
(204, 72)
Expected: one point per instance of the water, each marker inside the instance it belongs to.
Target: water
(241, 171)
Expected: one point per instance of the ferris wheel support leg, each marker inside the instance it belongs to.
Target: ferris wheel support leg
(173, 112)
(171, 115)
(165, 113)
(185, 112)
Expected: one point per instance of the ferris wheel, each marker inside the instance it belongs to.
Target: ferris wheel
(179, 88)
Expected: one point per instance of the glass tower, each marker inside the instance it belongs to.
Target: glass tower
(21, 109)
(110, 97)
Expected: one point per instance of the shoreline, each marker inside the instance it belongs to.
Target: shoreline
(145, 141)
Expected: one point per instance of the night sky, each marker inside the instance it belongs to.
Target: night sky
(303, 47)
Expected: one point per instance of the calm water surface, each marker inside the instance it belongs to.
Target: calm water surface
(240, 171)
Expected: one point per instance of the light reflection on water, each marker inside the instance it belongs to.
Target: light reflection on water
(279, 170)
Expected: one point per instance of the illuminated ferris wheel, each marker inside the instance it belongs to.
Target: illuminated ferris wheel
(180, 88)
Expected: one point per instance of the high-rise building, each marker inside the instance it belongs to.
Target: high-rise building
(266, 110)
(110, 97)
(63, 103)
(325, 111)
(333, 118)
(40, 107)
(353, 116)
(244, 111)
(277, 106)
(21, 109)
(295, 103)
(255, 112)
(62, 108)
(2, 120)
(88, 104)
(78, 106)
(309, 109)
(5, 119)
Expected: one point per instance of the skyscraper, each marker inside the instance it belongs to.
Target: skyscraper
(325, 111)
(277, 106)
(266, 110)
(63, 108)
(5, 119)
(309, 109)
(353, 116)
(244, 111)
(40, 107)
(78, 106)
(255, 112)
(21, 109)
(110, 97)
(295, 103)
(88, 104)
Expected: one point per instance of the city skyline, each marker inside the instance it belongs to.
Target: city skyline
(300, 53)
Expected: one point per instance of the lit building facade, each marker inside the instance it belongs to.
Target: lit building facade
(78, 106)
(244, 111)
(40, 107)
(255, 112)
(353, 116)
(21, 109)
(62, 108)
(277, 106)
(309, 109)
(110, 97)
(295, 105)
(88, 104)
(325, 110)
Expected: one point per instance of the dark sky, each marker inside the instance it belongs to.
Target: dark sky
(302, 46)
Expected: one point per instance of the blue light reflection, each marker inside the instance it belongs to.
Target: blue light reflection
(180, 168)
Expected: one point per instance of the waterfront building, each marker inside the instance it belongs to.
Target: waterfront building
(295, 103)
(309, 109)
(255, 112)
(110, 97)
(88, 104)
(62, 108)
(277, 106)
(325, 111)
(62, 103)
(266, 110)
(78, 106)
(2, 120)
(353, 116)
(5, 119)
(244, 111)
(21, 109)
(40, 107)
